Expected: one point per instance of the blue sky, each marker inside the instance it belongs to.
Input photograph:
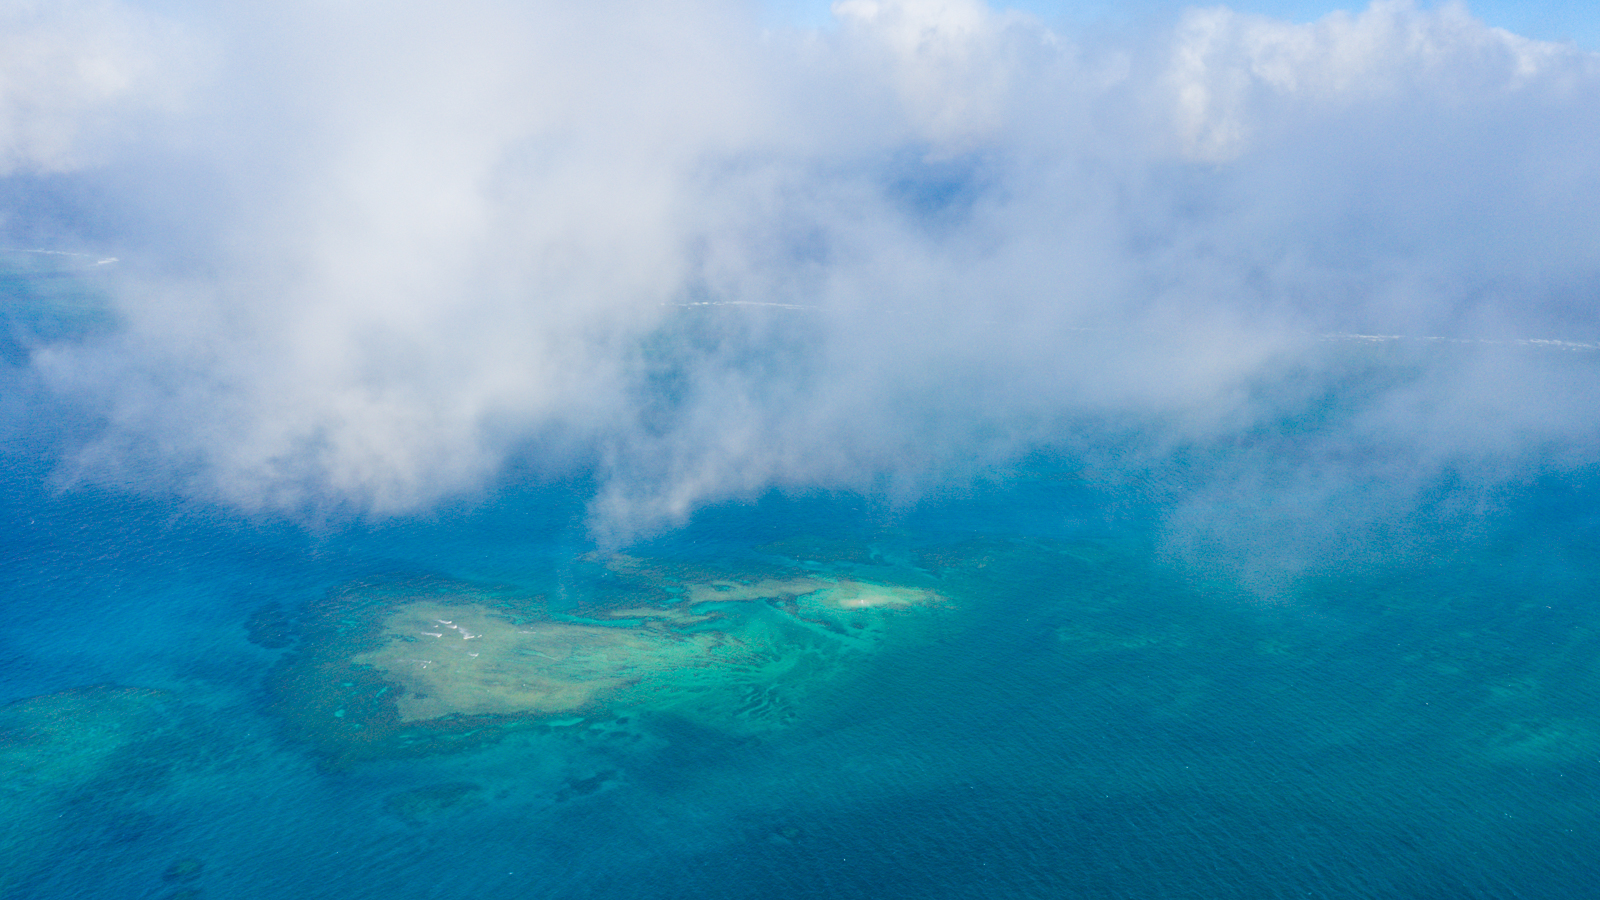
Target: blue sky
(1542, 19)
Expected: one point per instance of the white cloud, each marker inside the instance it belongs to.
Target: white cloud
(952, 63)
(72, 72)
(436, 242)
(1233, 74)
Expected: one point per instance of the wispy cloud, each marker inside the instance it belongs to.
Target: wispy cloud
(78, 75)
(703, 258)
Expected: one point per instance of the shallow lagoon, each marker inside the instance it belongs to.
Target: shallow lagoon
(429, 665)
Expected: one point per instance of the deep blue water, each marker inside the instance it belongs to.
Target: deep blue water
(1091, 716)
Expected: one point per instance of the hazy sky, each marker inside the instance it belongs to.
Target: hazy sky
(373, 253)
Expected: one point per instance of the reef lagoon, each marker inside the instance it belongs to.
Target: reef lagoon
(1015, 692)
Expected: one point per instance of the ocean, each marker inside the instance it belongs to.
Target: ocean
(1022, 688)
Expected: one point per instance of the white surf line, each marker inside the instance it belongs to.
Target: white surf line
(1550, 343)
(38, 250)
(741, 303)
(465, 634)
(1509, 342)
(98, 261)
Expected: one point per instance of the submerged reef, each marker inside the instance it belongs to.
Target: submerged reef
(77, 762)
(421, 666)
(427, 805)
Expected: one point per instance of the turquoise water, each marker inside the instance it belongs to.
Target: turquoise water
(1083, 720)
(1090, 714)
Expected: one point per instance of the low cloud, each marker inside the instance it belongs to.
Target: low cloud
(374, 254)
(78, 75)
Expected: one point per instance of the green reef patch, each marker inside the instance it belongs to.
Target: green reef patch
(81, 759)
(422, 666)
(427, 805)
